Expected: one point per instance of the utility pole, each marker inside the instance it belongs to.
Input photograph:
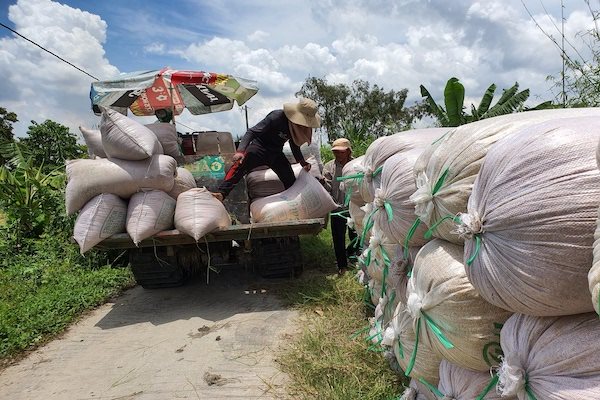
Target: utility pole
(246, 112)
(562, 18)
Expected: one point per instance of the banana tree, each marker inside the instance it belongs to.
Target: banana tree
(512, 100)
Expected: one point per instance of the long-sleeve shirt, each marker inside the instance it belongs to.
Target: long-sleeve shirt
(331, 171)
(272, 133)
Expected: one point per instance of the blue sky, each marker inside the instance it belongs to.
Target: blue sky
(395, 44)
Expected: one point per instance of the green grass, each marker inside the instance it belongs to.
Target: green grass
(46, 287)
(329, 359)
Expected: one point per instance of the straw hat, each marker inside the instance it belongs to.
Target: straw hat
(303, 113)
(341, 144)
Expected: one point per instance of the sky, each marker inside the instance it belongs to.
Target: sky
(396, 44)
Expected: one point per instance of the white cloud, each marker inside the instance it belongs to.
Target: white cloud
(258, 36)
(41, 86)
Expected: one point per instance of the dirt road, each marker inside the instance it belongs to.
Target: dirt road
(191, 342)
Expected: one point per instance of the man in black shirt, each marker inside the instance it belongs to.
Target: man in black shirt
(263, 144)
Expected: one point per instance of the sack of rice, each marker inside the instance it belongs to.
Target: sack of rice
(458, 383)
(305, 199)
(530, 223)
(554, 358)
(125, 138)
(183, 181)
(594, 273)
(265, 182)
(406, 344)
(101, 217)
(198, 213)
(445, 172)
(149, 213)
(93, 141)
(357, 216)
(89, 178)
(352, 175)
(448, 313)
(308, 150)
(379, 256)
(167, 136)
(418, 391)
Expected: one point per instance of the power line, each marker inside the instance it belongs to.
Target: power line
(48, 51)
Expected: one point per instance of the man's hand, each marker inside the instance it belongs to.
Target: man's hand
(239, 156)
(306, 166)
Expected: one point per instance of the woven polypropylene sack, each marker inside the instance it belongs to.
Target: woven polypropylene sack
(450, 167)
(93, 141)
(594, 273)
(357, 216)
(531, 218)
(379, 255)
(265, 182)
(459, 383)
(441, 298)
(149, 213)
(554, 358)
(101, 217)
(167, 136)
(305, 199)
(183, 181)
(89, 178)
(125, 138)
(351, 186)
(426, 364)
(308, 150)
(417, 391)
(198, 212)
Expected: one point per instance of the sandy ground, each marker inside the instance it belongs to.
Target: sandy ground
(192, 342)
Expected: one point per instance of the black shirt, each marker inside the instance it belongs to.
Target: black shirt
(272, 133)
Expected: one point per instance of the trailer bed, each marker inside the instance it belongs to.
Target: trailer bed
(233, 232)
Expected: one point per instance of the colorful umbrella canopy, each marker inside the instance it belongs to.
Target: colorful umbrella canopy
(148, 91)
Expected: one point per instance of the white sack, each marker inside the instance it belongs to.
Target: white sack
(461, 153)
(167, 136)
(89, 178)
(265, 182)
(357, 216)
(533, 209)
(183, 181)
(594, 273)
(462, 384)
(379, 255)
(308, 150)
(427, 363)
(198, 213)
(149, 213)
(554, 358)
(125, 138)
(93, 141)
(305, 199)
(440, 296)
(101, 217)
(417, 391)
(352, 186)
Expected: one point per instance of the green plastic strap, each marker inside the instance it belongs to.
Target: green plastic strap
(433, 389)
(437, 332)
(386, 258)
(347, 197)
(368, 258)
(390, 301)
(411, 233)
(400, 349)
(358, 332)
(383, 285)
(530, 395)
(440, 182)
(377, 171)
(389, 211)
(430, 231)
(358, 176)
(377, 333)
(369, 224)
(375, 348)
(413, 356)
(340, 213)
(489, 387)
(477, 247)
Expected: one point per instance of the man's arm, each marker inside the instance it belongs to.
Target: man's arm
(327, 176)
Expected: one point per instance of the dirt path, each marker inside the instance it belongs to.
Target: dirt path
(192, 342)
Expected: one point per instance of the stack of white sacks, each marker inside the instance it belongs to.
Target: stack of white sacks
(132, 184)
(494, 225)
(305, 199)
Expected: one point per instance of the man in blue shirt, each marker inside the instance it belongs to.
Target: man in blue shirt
(263, 144)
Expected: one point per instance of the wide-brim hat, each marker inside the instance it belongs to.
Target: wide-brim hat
(304, 113)
(341, 145)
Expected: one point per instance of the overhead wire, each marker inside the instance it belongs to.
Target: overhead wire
(48, 51)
